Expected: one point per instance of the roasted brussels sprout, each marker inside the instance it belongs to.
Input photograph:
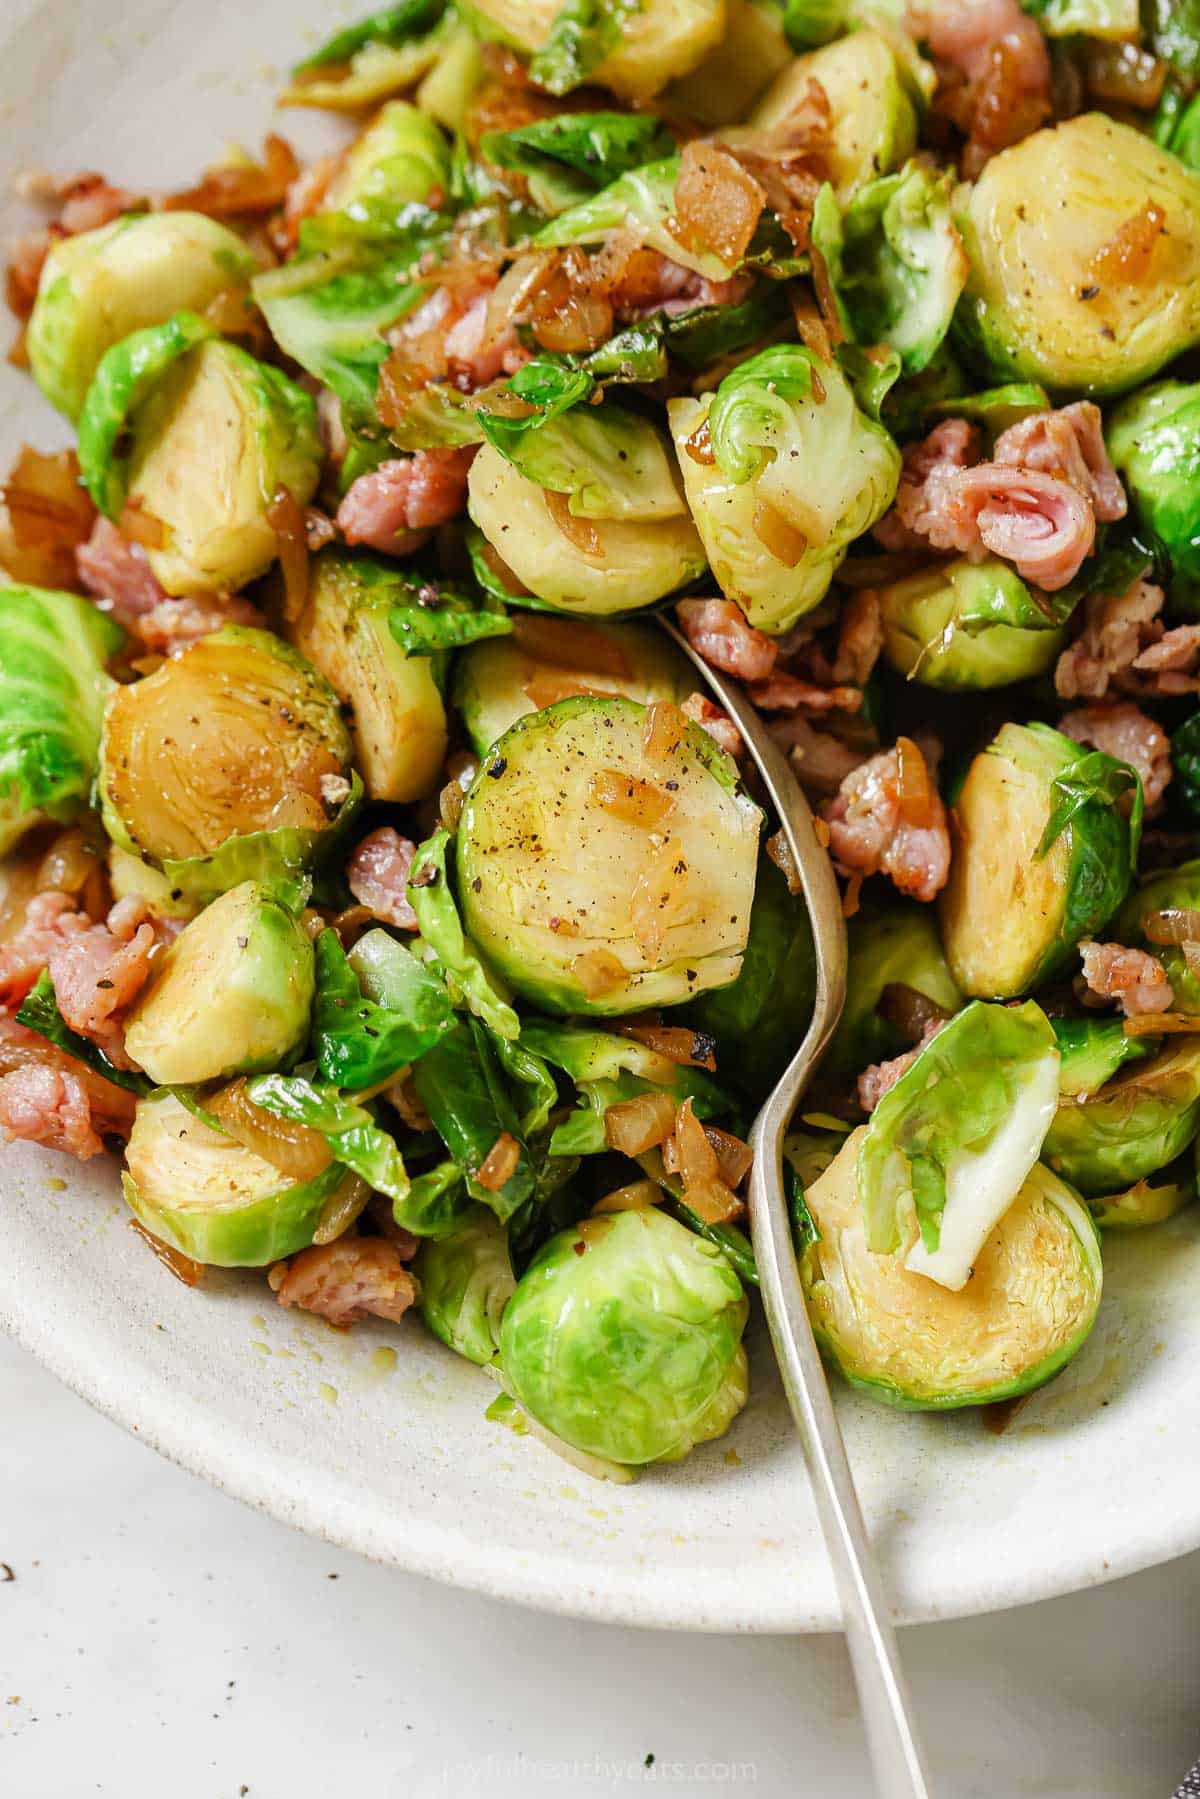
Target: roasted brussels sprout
(599, 874)
(1029, 1305)
(1056, 229)
(566, 159)
(899, 948)
(635, 52)
(752, 52)
(968, 625)
(362, 64)
(207, 1195)
(1149, 1201)
(1116, 20)
(131, 878)
(1154, 442)
(395, 701)
(466, 1282)
(100, 286)
(232, 994)
(498, 682)
(783, 471)
(624, 1338)
(608, 463)
(229, 763)
(595, 566)
(173, 398)
(874, 121)
(400, 159)
(1131, 1126)
(1043, 854)
(1091, 1050)
(53, 687)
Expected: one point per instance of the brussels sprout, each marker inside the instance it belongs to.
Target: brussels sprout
(229, 763)
(1172, 32)
(1174, 889)
(600, 567)
(1150, 1201)
(789, 441)
(968, 625)
(948, 1147)
(610, 463)
(402, 157)
(598, 878)
(1042, 858)
(895, 262)
(873, 119)
(232, 994)
(896, 948)
(376, 1011)
(1041, 229)
(182, 401)
(380, 55)
(641, 202)
(466, 1282)
(97, 288)
(431, 895)
(498, 682)
(1154, 441)
(208, 1196)
(1114, 19)
(624, 1338)
(1132, 1126)
(399, 721)
(566, 159)
(758, 1022)
(752, 52)
(634, 51)
(351, 1134)
(996, 408)
(1028, 1307)
(53, 686)
(131, 878)
(460, 1085)
(1091, 1050)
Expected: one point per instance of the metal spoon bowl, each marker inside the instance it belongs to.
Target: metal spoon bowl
(896, 1752)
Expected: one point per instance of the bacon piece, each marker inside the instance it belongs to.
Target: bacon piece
(785, 692)
(860, 638)
(718, 630)
(47, 1098)
(473, 356)
(1133, 978)
(881, 1077)
(1124, 731)
(1044, 526)
(117, 572)
(1068, 444)
(346, 1281)
(718, 724)
(921, 499)
(51, 919)
(377, 876)
(393, 507)
(821, 762)
(99, 970)
(995, 72)
(1116, 631)
(869, 832)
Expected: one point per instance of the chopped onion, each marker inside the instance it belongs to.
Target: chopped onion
(718, 203)
(684, 1047)
(779, 538)
(570, 643)
(636, 1125)
(1125, 259)
(550, 685)
(499, 1165)
(580, 532)
(241, 187)
(1125, 74)
(300, 1153)
(734, 1158)
(68, 865)
(597, 970)
(664, 730)
(633, 1198)
(916, 791)
(182, 1267)
(626, 797)
(287, 521)
(341, 1210)
(699, 446)
(503, 573)
(780, 852)
(1173, 925)
(49, 514)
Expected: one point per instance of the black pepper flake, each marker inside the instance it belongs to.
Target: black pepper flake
(243, 943)
(1089, 292)
(671, 786)
(497, 768)
(477, 884)
(105, 985)
(6, 1573)
(426, 876)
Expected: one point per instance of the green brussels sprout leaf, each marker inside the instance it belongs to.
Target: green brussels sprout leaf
(567, 158)
(433, 616)
(125, 378)
(1091, 1050)
(436, 1203)
(1154, 441)
(1095, 779)
(584, 34)
(391, 26)
(375, 1012)
(460, 1084)
(641, 201)
(350, 1130)
(431, 898)
(466, 1281)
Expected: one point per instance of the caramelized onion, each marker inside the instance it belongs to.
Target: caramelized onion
(910, 1011)
(656, 894)
(341, 1210)
(699, 1167)
(734, 1158)
(1150, 1024)
(240, 188)
(664, 730)
(597, 970)
(550, 685)
(1125, 74)
(499, 1165)
(138, 526)
(916, 791)
(580, 532)
(633, 1198)
(635, 1125)
(500, 569)
(634, 801)
(684, 1047)
(779, 538)
(182, 1267)
(450, 806)
(1126, 258)
(718, 203)
(699, 446)
(1173, 925)
(780, 852)
(571, 643)
(48, 514)
(287, 520)
(300, 1153)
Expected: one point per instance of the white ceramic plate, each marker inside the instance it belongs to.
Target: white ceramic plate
(392, 1455)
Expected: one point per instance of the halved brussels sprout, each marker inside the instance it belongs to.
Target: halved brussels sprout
(1084, 242)
(600, 877)
(100, 286)
(53, 687)
(1027, 1309)
(1091, 1050)
(641, 202)
(383, 54)
(1154, 442)
(1042, 857)
(874, 121)
(782, 471)
(229, 763)
(633, 51)
(131, 878)
(599, 566)
(1149, 1201)
(624, 1338)
(211, 1198)
(498, 682)
(753, 50)
(172, 400)
(609, 463)
(466, 1282)
(399, 721)
(949, 1145)
(568, 158)
(968, 625)
(232, 995)
(896, 948)
(1132, 1126)
(402, 157)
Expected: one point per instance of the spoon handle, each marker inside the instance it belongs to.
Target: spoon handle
(896, 1753)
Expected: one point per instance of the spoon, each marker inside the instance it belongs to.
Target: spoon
(896, 1753)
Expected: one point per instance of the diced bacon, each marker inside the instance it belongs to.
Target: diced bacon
(995, 72)
(1042, 525)
(83, 202)
(51, 919)
(472, 357)
(47, 1098)
(378, 877)
(917, 516)
(89, 201)
(821, 762)
(117, 573)
(1115, 633)
(346, 1281)
(964, 32)
(99, 971)
(860, 638)
(396, 504)
(718, 631)
(1133, 978)
(1068, 444)
(174, 624)
(881, 1077)
(869, 834)
(785, 692)
(1169, 666)
(718, 724)
(1124, 731)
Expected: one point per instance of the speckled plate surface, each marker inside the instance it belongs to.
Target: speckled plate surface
(377, 1440)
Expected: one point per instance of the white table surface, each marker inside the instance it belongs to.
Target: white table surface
(160, 1641)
